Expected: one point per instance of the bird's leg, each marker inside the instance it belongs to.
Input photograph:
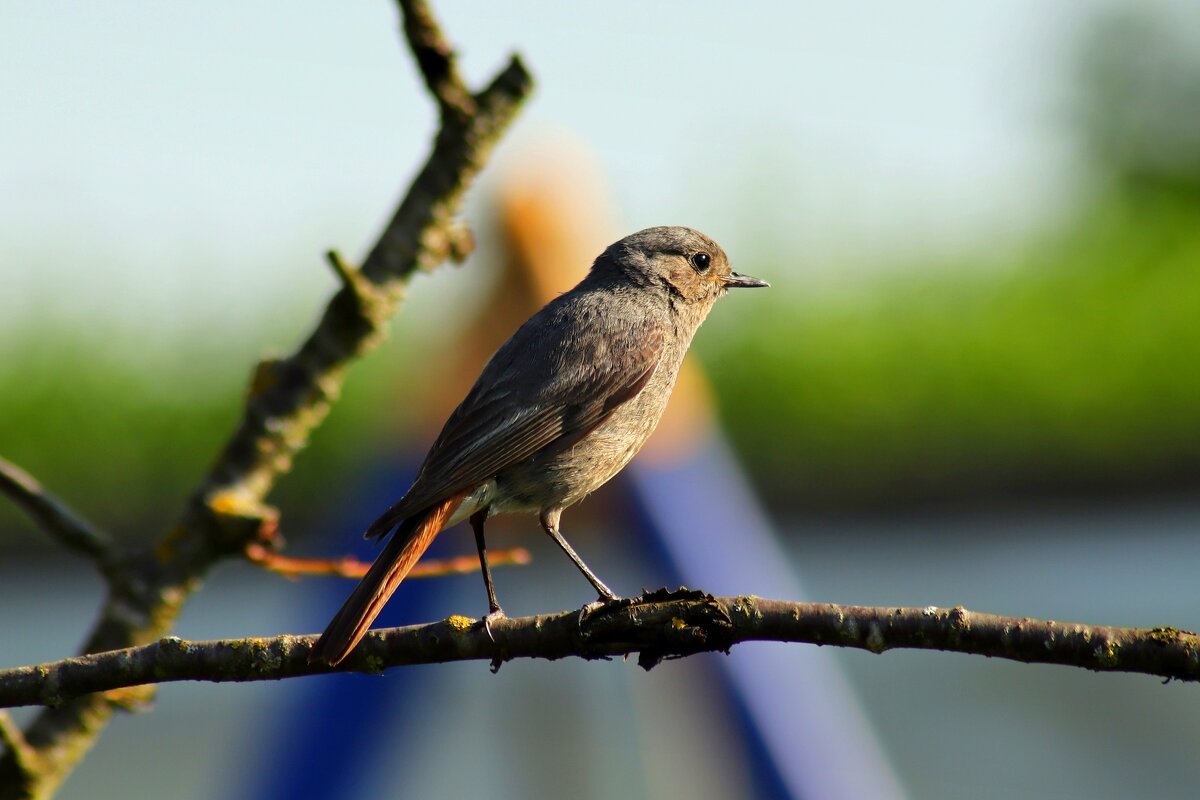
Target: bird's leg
(495, 612)
(549, 520)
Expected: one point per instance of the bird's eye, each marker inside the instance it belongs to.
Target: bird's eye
(700, 261)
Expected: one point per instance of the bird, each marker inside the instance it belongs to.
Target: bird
(557, 411)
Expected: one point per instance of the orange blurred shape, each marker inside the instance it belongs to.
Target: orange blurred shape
(556, 216)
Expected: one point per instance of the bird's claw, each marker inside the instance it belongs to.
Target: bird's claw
(495, 615)
(604, 604)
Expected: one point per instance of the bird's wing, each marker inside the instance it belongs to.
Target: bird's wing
(545, 389)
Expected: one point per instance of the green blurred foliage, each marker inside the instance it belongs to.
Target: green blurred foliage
(1069, 362)
(123, 429)
(1138, 94)
(1077, 366)
(107, 426)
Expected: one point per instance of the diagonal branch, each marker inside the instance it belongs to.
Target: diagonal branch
(52, 515)
(287, 399)
(658, 625)
(435, 58)
(26, 757)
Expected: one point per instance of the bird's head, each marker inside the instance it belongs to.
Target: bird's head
(682, 261)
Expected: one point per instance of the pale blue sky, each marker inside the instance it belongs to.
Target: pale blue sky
(188, 157)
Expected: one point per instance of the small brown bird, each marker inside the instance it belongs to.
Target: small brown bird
(560, 408)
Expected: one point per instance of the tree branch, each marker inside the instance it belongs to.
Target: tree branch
(436, 59)
(52, 515)
(287, 399)
(14, 740)
(658, 626)
(350, 567)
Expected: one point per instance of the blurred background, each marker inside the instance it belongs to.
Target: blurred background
(975, 379)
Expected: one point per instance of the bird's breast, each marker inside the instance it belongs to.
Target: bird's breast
(567, 476)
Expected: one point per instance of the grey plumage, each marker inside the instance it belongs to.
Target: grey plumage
(559, 409)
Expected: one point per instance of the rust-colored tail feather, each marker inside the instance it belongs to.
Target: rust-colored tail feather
(404, 549)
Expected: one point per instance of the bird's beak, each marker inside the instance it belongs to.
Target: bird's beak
(736, 281)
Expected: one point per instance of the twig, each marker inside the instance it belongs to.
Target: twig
(24, 755)
(435, 58)
(288, 398)
(659, 625)
(52, 515)
(350, 567)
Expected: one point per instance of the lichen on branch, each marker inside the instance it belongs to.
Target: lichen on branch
(657, 626)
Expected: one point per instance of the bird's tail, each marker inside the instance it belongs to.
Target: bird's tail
(406, 546)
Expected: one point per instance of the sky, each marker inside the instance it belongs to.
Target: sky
(173, 162)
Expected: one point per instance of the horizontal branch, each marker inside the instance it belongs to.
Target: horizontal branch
(657, 626)
(350, 567)
(51, 514)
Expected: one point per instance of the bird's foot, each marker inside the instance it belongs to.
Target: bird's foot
(607, 601)
(605, 605)
(493, 616)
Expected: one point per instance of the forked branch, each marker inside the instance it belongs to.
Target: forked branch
(287, 399)
(52, 515)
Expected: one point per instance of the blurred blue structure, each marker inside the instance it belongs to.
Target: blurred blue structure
(800, 709)
(802, 733)
(325, 747)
